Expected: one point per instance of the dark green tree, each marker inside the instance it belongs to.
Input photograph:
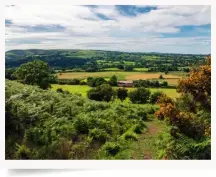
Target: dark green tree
(101, 93)
(9, 74)
(36, 72)
(95, 81)
(122, 93)
(128, 68)
(113, 81)
(140, 95)
(164, 84)
(120, 66)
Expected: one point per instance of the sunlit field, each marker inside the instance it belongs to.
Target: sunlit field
(82, 89)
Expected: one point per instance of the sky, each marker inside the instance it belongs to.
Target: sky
(166, 29)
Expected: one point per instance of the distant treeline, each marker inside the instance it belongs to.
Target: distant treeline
(94, 60)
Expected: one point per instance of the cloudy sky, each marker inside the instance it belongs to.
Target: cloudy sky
(174, 29)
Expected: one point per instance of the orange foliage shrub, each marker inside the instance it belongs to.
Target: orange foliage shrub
(198, 84)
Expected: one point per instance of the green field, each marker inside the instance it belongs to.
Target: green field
(141, 69)
(172, 79)
(111, 69)
(82, 89)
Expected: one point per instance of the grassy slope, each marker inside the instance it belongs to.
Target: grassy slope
(146, 146)
(82, 89)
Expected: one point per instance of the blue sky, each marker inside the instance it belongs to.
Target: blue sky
(174, 29)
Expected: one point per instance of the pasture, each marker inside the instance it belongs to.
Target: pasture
(82, 89)
(172, 79)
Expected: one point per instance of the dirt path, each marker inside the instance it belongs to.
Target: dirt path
(146, 147)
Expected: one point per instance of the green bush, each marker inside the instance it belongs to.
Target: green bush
(112, 148)
(130, 136)
(137, 128)
(98, 134)
(101, 93)
(140, 95)
(59, 90)
(141, 113)
(155, 96)
(22, 152)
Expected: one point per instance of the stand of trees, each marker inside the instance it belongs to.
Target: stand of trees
(106, 93)
(149, 83)
(101, 93)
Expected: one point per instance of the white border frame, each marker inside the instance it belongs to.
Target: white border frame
(107, 164)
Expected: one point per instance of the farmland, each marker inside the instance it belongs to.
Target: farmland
(82, 89)
(121, 75)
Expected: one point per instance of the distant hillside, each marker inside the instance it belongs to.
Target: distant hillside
(64, 58)
(74, 58)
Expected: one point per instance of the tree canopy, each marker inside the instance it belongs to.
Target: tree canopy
(34, 73)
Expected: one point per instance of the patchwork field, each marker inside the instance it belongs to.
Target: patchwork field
(141, 69)
(82, 89)
(172, 79)
(137, 76)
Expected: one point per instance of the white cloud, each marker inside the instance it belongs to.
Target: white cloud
(84, 29)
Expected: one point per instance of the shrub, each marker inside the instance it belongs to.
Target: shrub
(141, 113)
(95, 81)
(112, 148)
(81, 125)
(59, 90)
(22, 152)
(129, 135)
(164, 84)
(140, 95)
(137, 128)
(98, 134)
(83, 83)
(66, 92)
(128, 68)
(161, 77)
(155, 96)
(101, 93)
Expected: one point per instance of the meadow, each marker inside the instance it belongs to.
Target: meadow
(172, 79)
(82, 89)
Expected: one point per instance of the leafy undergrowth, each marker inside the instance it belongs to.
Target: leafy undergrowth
(44, 124)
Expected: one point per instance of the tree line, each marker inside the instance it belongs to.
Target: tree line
(39, 73)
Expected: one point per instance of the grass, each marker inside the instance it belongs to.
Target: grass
(82, 89)
(150, 57)
(121, 75)
(129, 62)
(83, 75)
(178, 73)
(140, 69)
(111, 69)
(146, 145)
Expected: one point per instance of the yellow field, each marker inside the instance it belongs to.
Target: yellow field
(172, 79)
(150, 76)
(120, 75)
